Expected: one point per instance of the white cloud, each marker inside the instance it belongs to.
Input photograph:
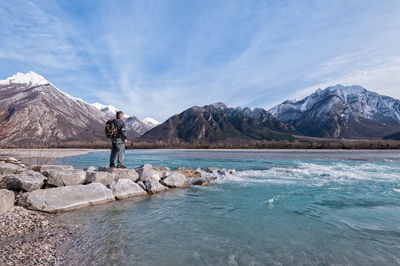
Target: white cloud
(33, 37)
(377, 74)
(156, 59)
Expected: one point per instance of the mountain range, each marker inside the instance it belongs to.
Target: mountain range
(217, 122)
(342, 112)
(34, 112)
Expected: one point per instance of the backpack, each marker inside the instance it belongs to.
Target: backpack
(111, 129)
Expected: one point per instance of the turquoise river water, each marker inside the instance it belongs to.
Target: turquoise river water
(280, 208)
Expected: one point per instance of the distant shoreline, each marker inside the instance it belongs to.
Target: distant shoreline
(44, 156)
(47, 155)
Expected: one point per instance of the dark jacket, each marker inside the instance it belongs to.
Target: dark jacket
(121, 129)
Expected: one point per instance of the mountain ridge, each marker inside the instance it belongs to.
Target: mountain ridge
(217, 122)
(35, 112)
(342, 112)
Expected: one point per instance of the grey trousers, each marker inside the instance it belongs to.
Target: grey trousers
(117, 151)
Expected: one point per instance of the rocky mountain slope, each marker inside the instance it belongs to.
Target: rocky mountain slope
(342, 112)
(216, 122)
(132, 122)
(34, 112)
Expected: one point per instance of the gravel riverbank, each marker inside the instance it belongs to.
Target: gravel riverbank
(33, 238)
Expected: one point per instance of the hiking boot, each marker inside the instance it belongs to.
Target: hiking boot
(112, 166)
(121, 166)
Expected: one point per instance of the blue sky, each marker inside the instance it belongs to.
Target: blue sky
(157, 58)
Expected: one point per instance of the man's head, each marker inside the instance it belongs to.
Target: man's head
(120, 115)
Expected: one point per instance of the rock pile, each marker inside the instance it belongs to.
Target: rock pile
(55, 188)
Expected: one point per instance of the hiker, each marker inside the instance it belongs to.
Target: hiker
(118, 141)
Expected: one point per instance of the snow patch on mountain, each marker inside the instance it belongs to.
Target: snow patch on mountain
(108, 109)
(151, 122)
(28, 78)
(32, 79)
(357, 102)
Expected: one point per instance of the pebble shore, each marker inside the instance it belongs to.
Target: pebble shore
(33, 238)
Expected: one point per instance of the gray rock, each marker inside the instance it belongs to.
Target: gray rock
(105, 178)
(147, 172)
(6, 200)
(49, 167)
(27, 180)
(120, 173)
(65, 177)
(188, 172)
(89, 168)
(9, 168)
(126, 188)
(141, 184)
(103, 168)
(204, 181)
(67, 198)
(199, 182)
(175, 180)
(153, 185)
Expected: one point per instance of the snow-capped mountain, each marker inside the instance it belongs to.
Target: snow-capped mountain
(342, 112)
(136, 124)
(108, 109)
(34, 112)
(30, 78)
(151, 122)
(132, 122)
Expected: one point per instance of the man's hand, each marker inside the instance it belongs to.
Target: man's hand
(125, 141)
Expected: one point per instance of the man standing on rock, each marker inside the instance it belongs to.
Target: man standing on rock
(118, 141)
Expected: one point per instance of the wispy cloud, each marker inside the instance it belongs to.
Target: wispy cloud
(381, 75)
(156, 58)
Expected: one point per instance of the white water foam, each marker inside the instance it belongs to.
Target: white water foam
(316, 174)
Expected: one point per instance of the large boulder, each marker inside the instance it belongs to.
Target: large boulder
(6, 200)
(27, 180)
(188, 172)
(175, 180)
(126, 188)
(60, 178)
(146, 171)
(67, 198)
(153, 185)
(105, 178)
(121, 173)
(9, 168)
